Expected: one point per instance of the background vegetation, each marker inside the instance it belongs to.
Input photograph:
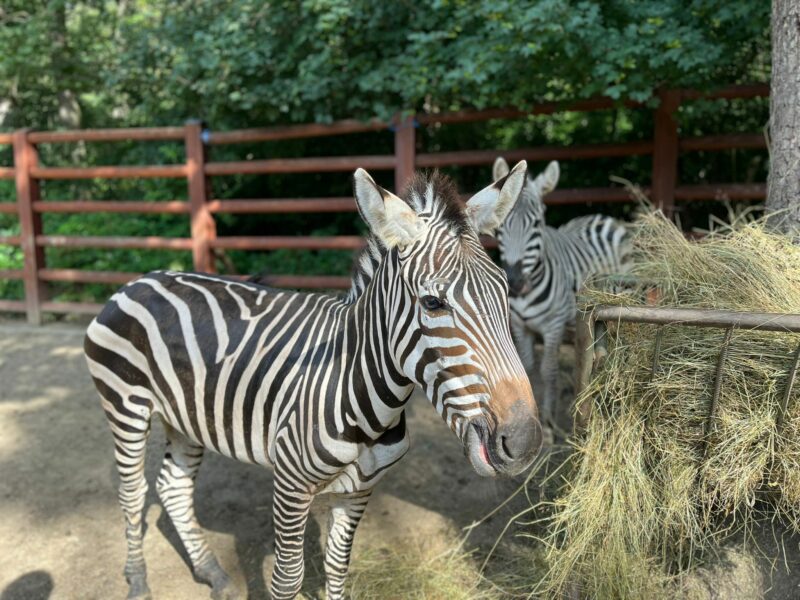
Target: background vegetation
(240, 63)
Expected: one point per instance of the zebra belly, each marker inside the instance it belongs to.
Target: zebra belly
(546, 316)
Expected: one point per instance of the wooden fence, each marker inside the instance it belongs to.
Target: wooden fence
(202, 207)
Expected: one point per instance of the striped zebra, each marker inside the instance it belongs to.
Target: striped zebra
(315, 385)
(546, 267)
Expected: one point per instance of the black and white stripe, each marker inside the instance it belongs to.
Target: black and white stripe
(546, 267)
(315, 385)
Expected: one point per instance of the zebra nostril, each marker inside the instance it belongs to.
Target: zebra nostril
(504, 446)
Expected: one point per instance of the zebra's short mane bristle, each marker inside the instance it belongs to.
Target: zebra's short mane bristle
(431, 195)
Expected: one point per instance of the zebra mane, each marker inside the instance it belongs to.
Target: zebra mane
(430, 194)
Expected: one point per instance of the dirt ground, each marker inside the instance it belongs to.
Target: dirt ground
(61, 530)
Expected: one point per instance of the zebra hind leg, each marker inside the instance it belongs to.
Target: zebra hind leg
(175, 487)
(345, 516)
(130, 425)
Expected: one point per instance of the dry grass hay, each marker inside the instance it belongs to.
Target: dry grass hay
(419, 570)
(651, 487)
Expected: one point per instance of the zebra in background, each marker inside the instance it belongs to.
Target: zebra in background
(315, 385)
(546, 267)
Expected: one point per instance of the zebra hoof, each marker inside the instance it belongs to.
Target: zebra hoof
(138, 589)
(225, 590)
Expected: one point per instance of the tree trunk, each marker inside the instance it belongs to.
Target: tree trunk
(783, 183)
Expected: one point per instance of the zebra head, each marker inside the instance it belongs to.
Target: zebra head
(520, 236)
(444, 308)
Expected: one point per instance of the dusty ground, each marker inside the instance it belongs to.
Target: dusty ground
(61, 531)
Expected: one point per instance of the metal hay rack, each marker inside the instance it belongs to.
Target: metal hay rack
(591, 342)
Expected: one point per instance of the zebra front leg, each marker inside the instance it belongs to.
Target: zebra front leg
(290, 507)
(344, 518)
(552, 346)
(523, 340)
(175, 488)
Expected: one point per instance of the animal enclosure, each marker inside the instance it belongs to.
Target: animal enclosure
(202, 206)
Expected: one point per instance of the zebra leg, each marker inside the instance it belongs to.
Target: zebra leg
(345, 516)
(130, 443)
(552, 345)
(290, 507)
(175, 488)
(523, 340)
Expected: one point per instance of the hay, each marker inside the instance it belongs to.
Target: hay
(417, 570)
(651, 489)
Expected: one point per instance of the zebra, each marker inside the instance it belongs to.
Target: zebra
(315, 385)
(546, 267)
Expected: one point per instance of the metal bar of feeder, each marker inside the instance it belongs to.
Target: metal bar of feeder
(712, 411)
(789, 386)
(696, 317)
(656, 352)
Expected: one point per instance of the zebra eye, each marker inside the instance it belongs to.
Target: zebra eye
(432, 303)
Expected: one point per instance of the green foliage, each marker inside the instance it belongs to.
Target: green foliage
(246, 61)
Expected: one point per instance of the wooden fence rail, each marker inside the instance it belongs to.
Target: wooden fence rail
(202, 207)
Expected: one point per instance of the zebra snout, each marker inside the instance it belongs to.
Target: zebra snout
(516, 279)
(517, 439)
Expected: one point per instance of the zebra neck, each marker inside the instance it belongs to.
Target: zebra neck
(376, 387)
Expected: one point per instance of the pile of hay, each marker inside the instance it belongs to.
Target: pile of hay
(417, 570)
(650, 488)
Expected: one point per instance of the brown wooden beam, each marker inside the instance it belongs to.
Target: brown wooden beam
(12, 274)
(80, 276)
(30, 224)
(8, 208)
(404, 151)
(299, 242)
(722, 191)
(6, 172)
(723, 142)
(111, 206)
(542, 153)
(107, 135)
(143, 243)
(83, 308)
(203, 227)
(590, 196)
(13, 305)
(752, 90)
(283, 205)
(135, 172)
(545, 108)
(301, 165)
(289, 132)
(665, 151)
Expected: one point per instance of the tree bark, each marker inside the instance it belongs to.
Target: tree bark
(783, 183)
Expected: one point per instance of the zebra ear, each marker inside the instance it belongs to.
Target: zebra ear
(548, 179)
(500, 168)
(393, 221)
(489, 208)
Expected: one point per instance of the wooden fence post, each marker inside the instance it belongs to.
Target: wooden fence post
(404, 150)
(665, 151)
(203, 226)
(30, 224)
